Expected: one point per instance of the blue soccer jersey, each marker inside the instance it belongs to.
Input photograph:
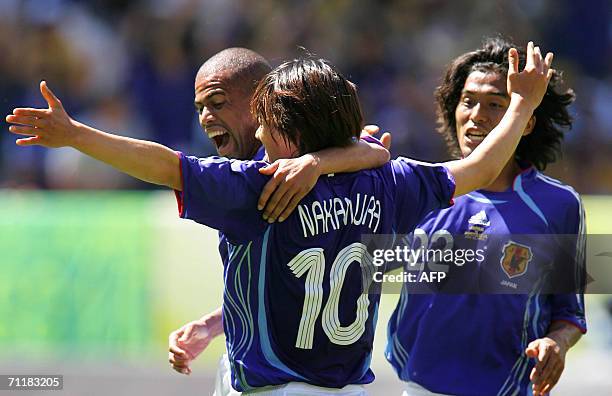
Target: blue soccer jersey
(473, 344)
(293, 306)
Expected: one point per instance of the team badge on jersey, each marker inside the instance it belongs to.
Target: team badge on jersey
(515, 259)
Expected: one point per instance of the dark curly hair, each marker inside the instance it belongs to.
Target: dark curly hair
(543, 145)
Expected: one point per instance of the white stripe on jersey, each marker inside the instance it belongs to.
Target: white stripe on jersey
(581, 242)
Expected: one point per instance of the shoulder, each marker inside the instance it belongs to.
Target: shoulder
(219, 162)
(564, 196)
(560, 198)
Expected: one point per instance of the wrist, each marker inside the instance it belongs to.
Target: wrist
(520, 105)
(315, 162)
(77, 134)
(560, 340)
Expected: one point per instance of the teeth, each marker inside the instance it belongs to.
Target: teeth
(214, 133)
(476, 137)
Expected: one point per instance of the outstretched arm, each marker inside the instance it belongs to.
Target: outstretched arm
(526, 90)
(293, 178)
(53, 127)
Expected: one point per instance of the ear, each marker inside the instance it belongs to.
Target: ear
(530, 125)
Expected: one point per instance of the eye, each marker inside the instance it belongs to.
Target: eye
(467, 101)
(497, 105)
(218, 105)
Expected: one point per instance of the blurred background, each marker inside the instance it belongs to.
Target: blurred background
(93, 281)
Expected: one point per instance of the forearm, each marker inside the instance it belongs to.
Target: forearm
(357, 156)
(214, 321)
(144, 160)
(565, 334)
(487, 160)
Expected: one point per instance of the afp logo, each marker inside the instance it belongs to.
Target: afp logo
(515, 259)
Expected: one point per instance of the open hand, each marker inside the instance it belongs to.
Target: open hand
(531, 83)
(51, 127)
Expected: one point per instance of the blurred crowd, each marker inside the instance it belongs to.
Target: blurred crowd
(128, 66)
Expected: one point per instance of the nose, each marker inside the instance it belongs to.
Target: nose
(207, 116)
(478, 114)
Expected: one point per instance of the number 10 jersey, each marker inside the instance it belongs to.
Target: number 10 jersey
(294, 306)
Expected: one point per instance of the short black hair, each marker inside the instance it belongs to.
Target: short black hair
(246, 67)
(543, 145)
(310, 104)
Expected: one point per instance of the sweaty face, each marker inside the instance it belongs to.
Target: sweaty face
(482, 105)
(224, 115)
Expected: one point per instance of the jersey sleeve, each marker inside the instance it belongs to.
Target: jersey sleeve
(420, 188)
(569, 307)
(222, 194)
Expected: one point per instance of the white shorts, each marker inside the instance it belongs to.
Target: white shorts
(414, 389)
(223, 386)
(303, 389)
(223, 379)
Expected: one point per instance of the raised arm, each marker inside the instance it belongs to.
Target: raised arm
(526, 90)
(294, 178)
(53, 127)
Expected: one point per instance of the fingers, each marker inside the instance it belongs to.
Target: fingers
(385, 139)
(52, 100)
(31, 141)
(542, 359)
(30, 112)
(295, 200)
(270, 169)
(530, 62)
(178, 364)
(537, 59)
(370, 130)
(23, 130)
(532, 349)
(269, 188)
(178, 353)
(26, 120)
(549, 376)
(186, 333)
(513, 60)
(548, 60)
(278, 202)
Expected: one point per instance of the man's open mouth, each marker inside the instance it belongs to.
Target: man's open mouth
(219, 136)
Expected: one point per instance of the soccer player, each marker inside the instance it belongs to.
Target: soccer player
(224, 87)
(295, 313)
(495, 344)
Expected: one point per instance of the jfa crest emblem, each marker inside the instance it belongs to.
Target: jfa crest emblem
(515, 259)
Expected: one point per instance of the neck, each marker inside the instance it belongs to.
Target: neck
(505, 178)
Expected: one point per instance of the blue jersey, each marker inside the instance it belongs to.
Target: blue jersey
(223, 245)
(293, 304)
(473, 344)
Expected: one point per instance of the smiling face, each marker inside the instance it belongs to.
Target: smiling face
(224, 115)
(482, 104)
